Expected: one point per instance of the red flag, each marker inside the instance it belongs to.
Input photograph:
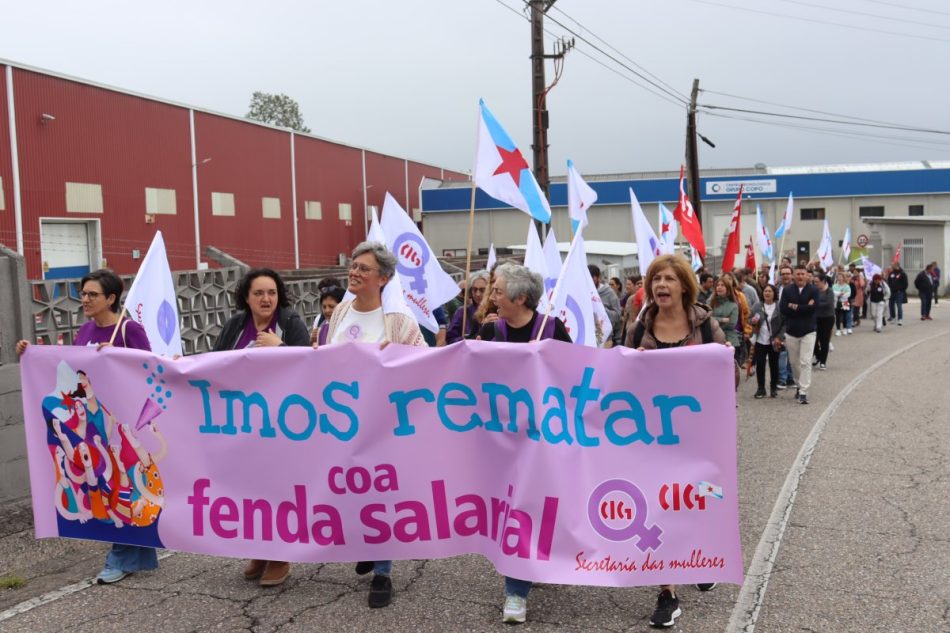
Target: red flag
(732, 244)
(750, 256)
(684, 214)
(897, 253)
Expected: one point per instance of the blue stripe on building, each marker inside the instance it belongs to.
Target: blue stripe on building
(827, 185)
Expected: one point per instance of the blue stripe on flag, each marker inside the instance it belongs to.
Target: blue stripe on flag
(532, 195)
(498, 133)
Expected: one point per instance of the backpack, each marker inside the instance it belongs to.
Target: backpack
(705, 328)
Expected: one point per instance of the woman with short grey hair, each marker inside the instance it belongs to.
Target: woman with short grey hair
(516, 292)
(363, 319)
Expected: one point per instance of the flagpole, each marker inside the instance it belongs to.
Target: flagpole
(118, 323)
(468, 260)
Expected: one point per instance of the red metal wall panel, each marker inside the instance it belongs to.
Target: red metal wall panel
(122, 142)
(330, 174)
(416, 172)
(7, 217)
(385, 173)
(251, 162)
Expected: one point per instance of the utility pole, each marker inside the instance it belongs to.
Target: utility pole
(692, 154)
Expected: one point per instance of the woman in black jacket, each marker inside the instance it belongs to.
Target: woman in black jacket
(770, 332)
(264, 319)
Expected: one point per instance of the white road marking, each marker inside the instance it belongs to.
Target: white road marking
(56, 594)
(752, 594)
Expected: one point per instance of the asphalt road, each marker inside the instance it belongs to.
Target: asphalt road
(844, 520)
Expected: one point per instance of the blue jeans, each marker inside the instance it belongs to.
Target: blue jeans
(784, 368)
(515, 587)
(925, 298)
(131, 558)
(897, 298)
(382, 567)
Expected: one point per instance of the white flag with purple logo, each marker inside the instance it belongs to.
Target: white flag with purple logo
(648, 244)
(576, 300)
(425, 285)
(153, 303)
(825, 254)
(492, 257)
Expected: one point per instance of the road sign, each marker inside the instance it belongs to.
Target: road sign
(862, 240)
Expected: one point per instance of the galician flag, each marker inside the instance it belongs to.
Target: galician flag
(786, 223)
(492, 257)
(732, 243)
(425, 285)
(580, 197)
(393, 298)
(762, 233)
(825, 253)
(685, 215)
(153, 303)
(694, 261)
(576, 301)
(502, 172)
(648, 244)
(669, 230)
(706, 489)
(846, 245)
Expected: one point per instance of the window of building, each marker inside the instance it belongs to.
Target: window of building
(913, 254)
(2, 197)
(915, 209)
(313, 210)
(222, 203)
(270, 208)
(813, 214)
(870, 212)
(83, 197)
(160, 201)
(346, 212)
(417, 215)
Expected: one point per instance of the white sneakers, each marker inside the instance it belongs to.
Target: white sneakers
(837, 332)
(850, 331)
(516, 609)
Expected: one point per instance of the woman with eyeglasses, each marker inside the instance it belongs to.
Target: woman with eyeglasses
(477, 284)
(101, 291)
(364, 319)
(264, 319)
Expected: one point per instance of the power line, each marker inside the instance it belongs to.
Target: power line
(599, 62)
(822, 120)
(866, 14)
(614, 59)
(907, 7)
(827, 22)
(870, 138)
(614, 49)
(790, 107)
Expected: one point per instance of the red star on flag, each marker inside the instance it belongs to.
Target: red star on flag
(511, 163)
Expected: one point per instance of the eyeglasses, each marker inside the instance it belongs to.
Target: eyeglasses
(362, 268)
(92, 296)
(478, 291)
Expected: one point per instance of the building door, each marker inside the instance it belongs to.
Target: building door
(70, 248)
(803, 252)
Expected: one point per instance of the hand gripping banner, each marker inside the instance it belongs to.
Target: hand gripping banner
(559, 463)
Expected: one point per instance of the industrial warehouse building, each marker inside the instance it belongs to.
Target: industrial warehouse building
(884, 204)
(89, 172)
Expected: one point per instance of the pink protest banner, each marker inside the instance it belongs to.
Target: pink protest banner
(559, 463)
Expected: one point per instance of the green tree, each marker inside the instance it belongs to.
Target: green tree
(277, 110)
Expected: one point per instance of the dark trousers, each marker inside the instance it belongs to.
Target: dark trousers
(841, 319)
(763, 352)
(925, 298)
(823, 337)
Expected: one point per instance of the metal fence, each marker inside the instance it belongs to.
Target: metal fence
(205, 302)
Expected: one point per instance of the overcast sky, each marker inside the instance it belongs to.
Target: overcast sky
(404, 77)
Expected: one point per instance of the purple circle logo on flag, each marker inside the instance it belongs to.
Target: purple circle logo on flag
(412, 255)
(166, 322)
(575, 311)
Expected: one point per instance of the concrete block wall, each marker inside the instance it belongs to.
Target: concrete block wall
(14, 475)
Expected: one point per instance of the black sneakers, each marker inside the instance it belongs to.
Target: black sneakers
(380, 592)
(706, 586)
(802, 399)
(760, 393)
(667, 610)
(364, 567)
